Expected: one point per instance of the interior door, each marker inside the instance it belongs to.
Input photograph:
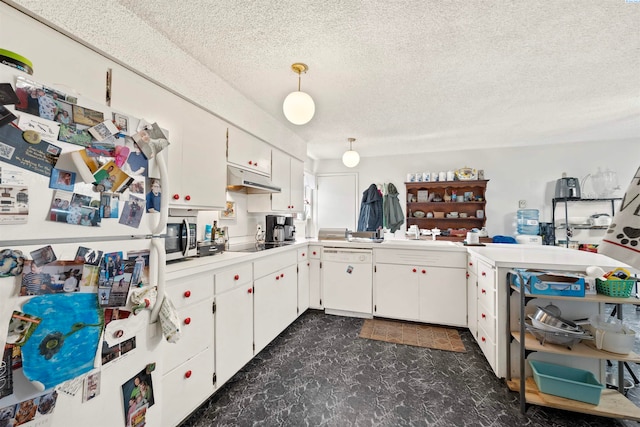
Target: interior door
(338, 201)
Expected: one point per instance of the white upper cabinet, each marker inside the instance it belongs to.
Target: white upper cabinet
(248, 152)
(288, 174)
(196, 154)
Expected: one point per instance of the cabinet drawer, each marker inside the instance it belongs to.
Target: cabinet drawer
(240, 274)
(190, 289)
(303, 254)
(272, 263)
(315, 251)
(186, 387)
(486, 276)
(487, 297)
(472, 265)
(420, 257)
(488, 346)
(487, 321)
(196, 322)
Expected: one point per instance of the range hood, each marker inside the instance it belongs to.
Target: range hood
(247, 181)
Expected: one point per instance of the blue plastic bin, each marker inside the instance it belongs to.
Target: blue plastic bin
(563, 381)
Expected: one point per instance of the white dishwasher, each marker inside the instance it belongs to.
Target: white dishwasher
(347, 281)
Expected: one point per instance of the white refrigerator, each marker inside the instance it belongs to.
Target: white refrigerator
(99, 367)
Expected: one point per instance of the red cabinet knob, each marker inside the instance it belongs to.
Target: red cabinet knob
(414, 270)
(484, 274)
(483, 291)
(424, 271)
(483, 339)
(467, 275)
(187, 294)
(236, 277)
(281, 274)
(314, 252)
(484, 316)
(277, 277)
(303, 253)
(187, 320)
(187, 374)
(471, 264)
(255, 163)
(250, 290)
(176, 196)
(187, 197)
(308, 264)
(250, 162)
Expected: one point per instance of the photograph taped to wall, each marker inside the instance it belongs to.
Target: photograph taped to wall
(62, 180)
(43, 256)
(103, 130)
(15, 204)
(132, 212)
(73, 135)
(151, 140)
(7, 94)
(6, 116)
(50, 278)
(64, 114)
(121, 122)
(86, 116)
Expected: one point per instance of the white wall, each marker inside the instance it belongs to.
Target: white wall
(526, 173)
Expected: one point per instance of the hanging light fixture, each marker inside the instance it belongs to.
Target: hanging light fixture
(351, 158)
(298, 106)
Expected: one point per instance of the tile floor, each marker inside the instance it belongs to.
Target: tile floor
(319, 373)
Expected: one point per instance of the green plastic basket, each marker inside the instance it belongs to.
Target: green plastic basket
(615, 288)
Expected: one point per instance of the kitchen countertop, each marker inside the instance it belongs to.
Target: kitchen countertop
(496, 254)
(535, 256)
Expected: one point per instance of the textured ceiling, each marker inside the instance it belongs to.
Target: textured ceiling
(411, 76)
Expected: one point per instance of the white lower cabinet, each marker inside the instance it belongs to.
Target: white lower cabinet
(303, 280)
(315, 283)
(275, 299)
(407, 287)
(472, 296)
(396, 292)
(186, 387)
(188, 364)
(234, 320)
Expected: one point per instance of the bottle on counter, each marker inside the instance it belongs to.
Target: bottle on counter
(207, 233)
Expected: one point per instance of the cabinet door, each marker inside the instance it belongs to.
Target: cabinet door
(443, 296)
(248, 152)
(281, 176)
(303, 286)
(396, 291)
(234, 331)
(197, 327)
(297, 185)
(275, 304)
(472, 303)
(315, 285)
(186, 387)
(204, 172)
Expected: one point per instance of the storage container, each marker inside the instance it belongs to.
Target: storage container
(538, 282)
(615, 288)
(528, 221)
(563, 381)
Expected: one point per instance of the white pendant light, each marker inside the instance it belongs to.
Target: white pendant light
(298, 107)
(351, 158)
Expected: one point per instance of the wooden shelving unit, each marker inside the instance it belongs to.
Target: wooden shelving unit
(468, 207)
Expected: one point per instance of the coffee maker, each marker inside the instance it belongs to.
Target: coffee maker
(289, 229)
(275, 225)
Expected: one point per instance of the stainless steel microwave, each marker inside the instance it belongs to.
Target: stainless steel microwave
(181, 238)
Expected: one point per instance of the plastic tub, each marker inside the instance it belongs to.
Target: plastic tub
(528, 221)
(563, 381)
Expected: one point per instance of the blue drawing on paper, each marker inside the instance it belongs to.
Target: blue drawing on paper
(65, 343)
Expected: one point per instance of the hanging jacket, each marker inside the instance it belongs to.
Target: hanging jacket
(370, 210)
(393, 215)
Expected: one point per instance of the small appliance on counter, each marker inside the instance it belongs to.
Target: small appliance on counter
(333, 234)
(289, 229)
(275, 228)
(567, 188)
(209, 248)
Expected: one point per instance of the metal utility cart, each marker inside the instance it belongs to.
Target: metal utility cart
(568, 228)
(613, 403)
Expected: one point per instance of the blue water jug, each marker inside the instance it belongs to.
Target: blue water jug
(528, 221)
